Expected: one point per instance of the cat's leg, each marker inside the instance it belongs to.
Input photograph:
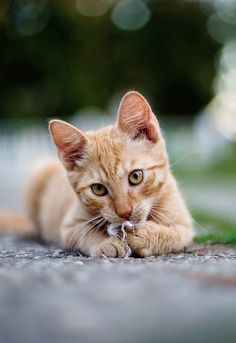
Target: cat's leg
(155, 239)
(91, 242)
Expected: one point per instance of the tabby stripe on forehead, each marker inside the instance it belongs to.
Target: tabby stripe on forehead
(104, 170)
(155, 166)
(116, 165)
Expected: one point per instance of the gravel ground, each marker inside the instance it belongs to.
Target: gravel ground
(47, 295)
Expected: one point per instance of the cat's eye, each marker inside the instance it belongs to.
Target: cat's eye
(135, 177)
(99, 189)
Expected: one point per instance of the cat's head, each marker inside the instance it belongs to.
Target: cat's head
(117, 171)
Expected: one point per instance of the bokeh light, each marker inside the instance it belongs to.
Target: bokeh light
(222, 109)
(93, 8)
(219, 29)
(31, 19)
(226, 10)
(130, 14)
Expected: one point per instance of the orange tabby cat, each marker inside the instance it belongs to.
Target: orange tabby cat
(115, 176)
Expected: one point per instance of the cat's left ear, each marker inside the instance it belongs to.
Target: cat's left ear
(135, 117)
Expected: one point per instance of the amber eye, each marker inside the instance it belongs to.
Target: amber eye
(99, 189)
(135, 177)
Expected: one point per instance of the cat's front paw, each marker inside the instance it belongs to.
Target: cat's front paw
(110, 247)
(140, 242)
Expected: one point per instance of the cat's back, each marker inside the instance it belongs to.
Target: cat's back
(48, 197)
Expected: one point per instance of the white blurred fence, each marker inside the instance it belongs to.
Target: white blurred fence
(19, 148)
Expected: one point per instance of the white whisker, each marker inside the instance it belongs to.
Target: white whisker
(182, 158)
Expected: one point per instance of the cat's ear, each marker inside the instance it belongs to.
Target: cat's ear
(135, 117)
(69, 141)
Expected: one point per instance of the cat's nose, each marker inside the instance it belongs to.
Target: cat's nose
(124, 213)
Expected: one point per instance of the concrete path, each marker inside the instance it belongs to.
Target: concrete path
(47, 295)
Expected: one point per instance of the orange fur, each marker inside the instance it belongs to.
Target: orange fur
(15, 223)
(63, 208)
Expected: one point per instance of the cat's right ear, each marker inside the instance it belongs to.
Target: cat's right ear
(69, 141)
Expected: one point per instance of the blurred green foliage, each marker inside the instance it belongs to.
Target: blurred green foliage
(73, 61)
(223, 168)
(214, 230)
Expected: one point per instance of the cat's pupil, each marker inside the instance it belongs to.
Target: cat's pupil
(135, 175)
(99, 187)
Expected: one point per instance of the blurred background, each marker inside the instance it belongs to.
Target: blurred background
(74, 59)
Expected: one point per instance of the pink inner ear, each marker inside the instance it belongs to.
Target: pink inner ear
(71, 152)
(135, 117)
(69, 141)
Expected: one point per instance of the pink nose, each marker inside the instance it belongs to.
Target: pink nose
(124, 213)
